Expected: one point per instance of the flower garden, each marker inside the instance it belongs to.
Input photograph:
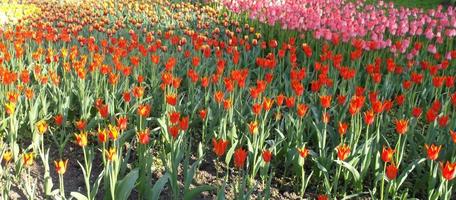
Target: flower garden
(227, 99)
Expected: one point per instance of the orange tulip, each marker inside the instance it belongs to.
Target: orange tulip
(448, 170)
(433, 151)
(143, 136)
(401, 126)
(453, 136)
(27, 159)
(387, 154)
(303, 152)
(342, 151)
(81, 139)
(61, 166)
(342, 128)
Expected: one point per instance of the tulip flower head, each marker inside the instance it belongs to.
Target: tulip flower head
(240, 155)
(267, 156)
(448, 170)
(81, 139)
(219, 146)
(61, 166)
(387, 154)
(432, 151)
(401, 126)
(41, 127)
(391, 171)
(343, 151)
(7, 156)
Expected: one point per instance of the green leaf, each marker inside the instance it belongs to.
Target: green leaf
(96, 185)
(154, 192)
(221, 192)
(126, 185)
(407, 171)
(78, 196)
(350, 168)
(198, 190)
(230, 153)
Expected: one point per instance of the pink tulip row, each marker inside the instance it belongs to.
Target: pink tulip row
(343, 19)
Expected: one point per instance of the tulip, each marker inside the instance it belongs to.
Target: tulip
(219, 146)
(240, 156)
(387, 154)
(81, 139)
(401, 126)
(61, 166)
(432, 151)
(391, 171)
(342, 151)
(448, 170)
(267, 155)
(41, 126)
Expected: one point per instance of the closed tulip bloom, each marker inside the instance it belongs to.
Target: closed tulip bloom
(27, 159)
(41, 127)
(122, 123)
(7, 156)
(391, 171)
(267, 156)
(453, 136)
(342, 128)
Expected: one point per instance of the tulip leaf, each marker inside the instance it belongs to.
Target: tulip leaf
(154, 193)
(78, 196)
(126, 185)
(408, 170)
(230, 153)
(198, 190)
(350, 168)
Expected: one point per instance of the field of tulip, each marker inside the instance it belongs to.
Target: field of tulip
(227, 99)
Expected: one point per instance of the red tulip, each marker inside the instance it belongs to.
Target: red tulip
(240, 156)
(401, 126)
(433, 151)
(448, 170)
(267, 155)
(342, 151)
(387, 154)
(342, 128)
(325, 101)
(219, 146)
(391, 171)
(143, 136)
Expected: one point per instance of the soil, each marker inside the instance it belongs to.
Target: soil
(207, 174)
